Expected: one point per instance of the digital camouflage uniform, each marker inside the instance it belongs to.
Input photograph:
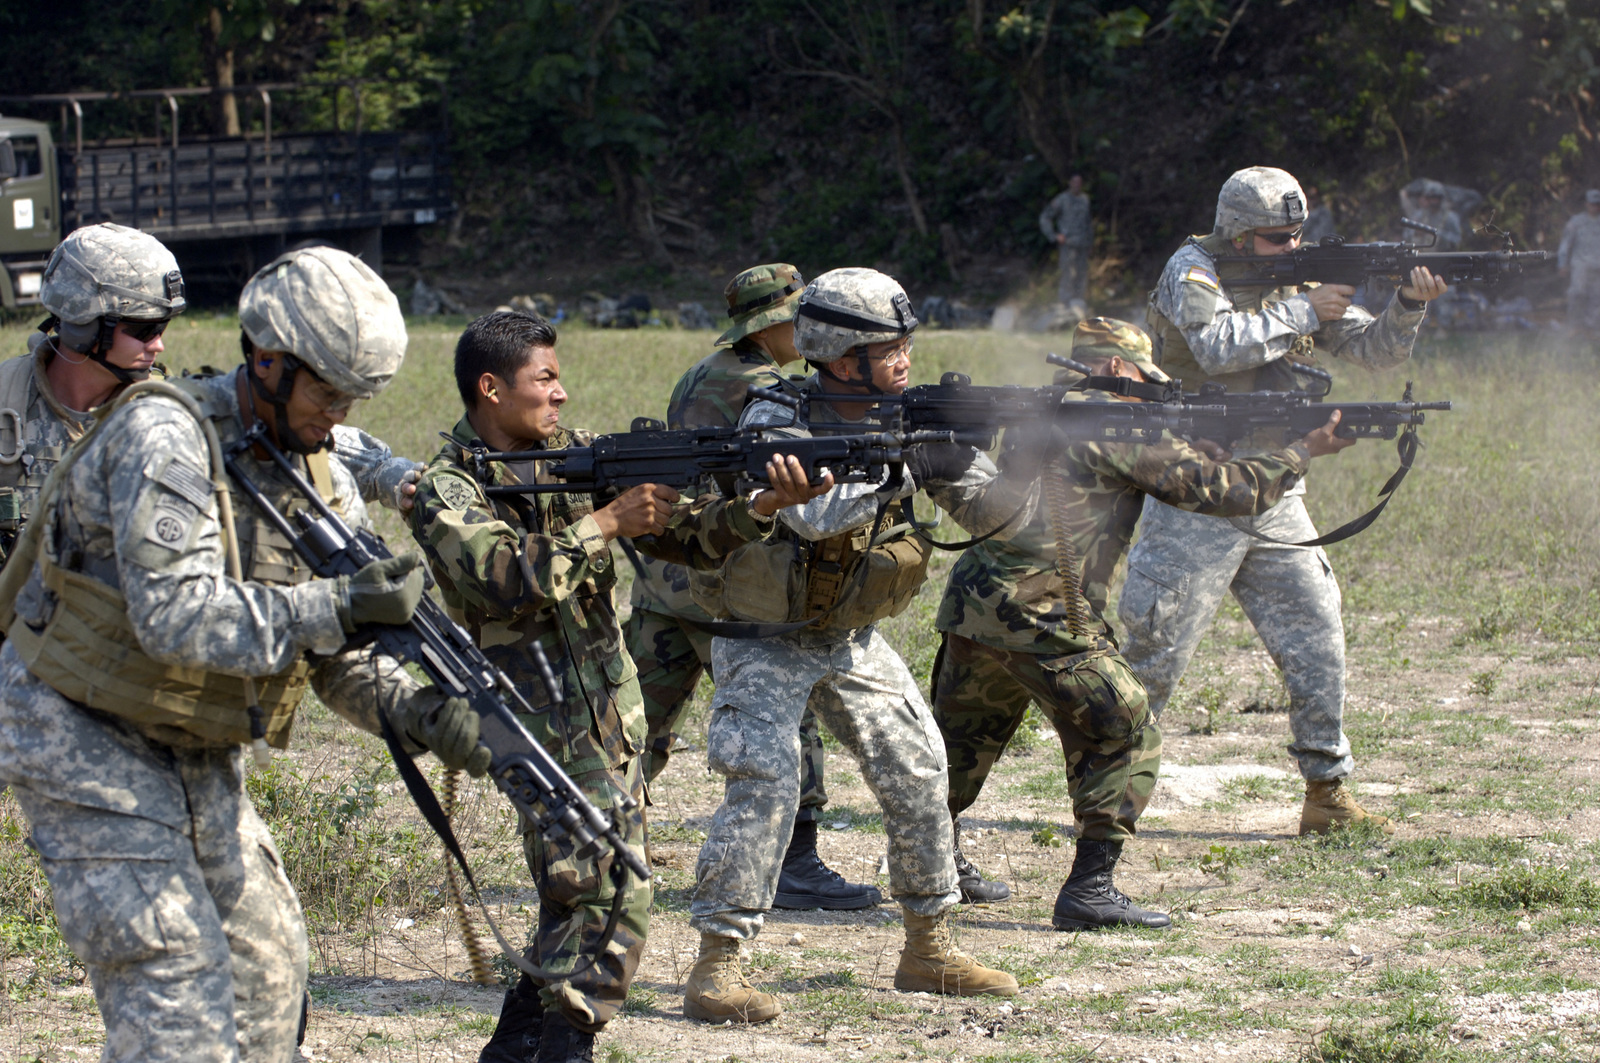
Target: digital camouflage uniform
(1068, 215)
(1011, 636)
(1579, 254)
(860, 689)
(1185, 562)
(535, 568)
(166, 882)
(672, 655)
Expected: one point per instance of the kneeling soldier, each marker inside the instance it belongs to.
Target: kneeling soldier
(132, 644)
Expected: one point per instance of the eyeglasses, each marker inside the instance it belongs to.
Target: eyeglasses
(144, 331)
(898, 355)
(327, 399)
(1280, 239)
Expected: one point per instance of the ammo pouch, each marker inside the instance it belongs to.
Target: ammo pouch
(787, 579)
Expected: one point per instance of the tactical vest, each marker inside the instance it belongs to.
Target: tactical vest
(89, 651)
(25, 463)
(1172, 351)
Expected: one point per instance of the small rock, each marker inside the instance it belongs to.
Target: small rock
(797, 938)
(1355, 950)
(843, 824)
(1005, 1009)
(405, 924)
(1523, 926)
(883, 865)
(1097, 988)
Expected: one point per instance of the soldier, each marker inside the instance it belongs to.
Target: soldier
(122, 706)
(1579, 259)
(71, 369)
(1249, 340)
(1065, 222)
(538, 568)
(1431, 210)
(842, 560)
(1023, 621)
(674, 654)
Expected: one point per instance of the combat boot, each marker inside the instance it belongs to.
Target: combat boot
(561, 1042)
(1330, 805)
(931, 963)
(717, 989)
(806, 882)
(975, 889)
(516, 1035)
(1089, 899)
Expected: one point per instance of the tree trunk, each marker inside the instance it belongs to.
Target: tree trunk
(227, 103)
(903, 168)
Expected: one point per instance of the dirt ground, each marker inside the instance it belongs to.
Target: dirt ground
(1278, 941)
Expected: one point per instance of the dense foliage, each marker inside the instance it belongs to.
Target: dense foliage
(920, 135)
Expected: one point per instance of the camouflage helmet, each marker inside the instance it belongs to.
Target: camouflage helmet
(759, 297)
(332, 312)
(848, 308)
(109, 271)
(1103, 337)
(1259, 197)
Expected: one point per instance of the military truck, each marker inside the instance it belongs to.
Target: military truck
(224, 205)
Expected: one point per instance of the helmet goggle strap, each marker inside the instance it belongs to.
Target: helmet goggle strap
(107, 337)
(279, 399)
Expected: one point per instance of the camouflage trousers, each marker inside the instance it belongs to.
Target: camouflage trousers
(1110, 741)
(166, 883)
(575, 896)
(865, 696)
(1073, 282)
(1583, 296)
(671, 658)
(1177, 574)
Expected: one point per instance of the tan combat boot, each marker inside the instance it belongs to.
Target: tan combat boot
(931, 963)
(1330, 805)
(717, 989)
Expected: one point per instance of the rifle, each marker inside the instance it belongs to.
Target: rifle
(1333, 261)
(521, 768)
(1299, 413)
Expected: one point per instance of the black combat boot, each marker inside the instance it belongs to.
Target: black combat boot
(975, 889)
(516, 1036)
(1088, 900)
(806, 882)
(559, 1042)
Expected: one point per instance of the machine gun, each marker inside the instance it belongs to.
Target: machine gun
(522, 769)
(1333, 261)
(734, 458)
(1298, 413)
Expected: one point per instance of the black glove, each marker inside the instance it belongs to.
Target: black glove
(446, 726)
(384, 592)
(938, 461)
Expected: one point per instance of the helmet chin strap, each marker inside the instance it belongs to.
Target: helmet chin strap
(104, 339)
(279, 400)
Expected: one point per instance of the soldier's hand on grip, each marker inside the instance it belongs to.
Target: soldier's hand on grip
(1424, 286)
(790, 486)
(1324, 441)
(1330, 301)
(447, 727)
(385, 592)
(641, 510)
(947, 462)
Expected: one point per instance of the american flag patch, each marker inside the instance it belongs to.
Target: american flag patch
(1201, 275)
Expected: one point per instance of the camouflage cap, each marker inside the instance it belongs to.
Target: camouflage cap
(1103, 337)
(110, 270)
(1259, 197)
(759, 297)
(846, 308)
(330, 310)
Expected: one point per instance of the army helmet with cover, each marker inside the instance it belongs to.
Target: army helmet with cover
(760, 297)
(1258, 197)
(844, 310)
(1103, 337)
(101, 276)
(329, 312)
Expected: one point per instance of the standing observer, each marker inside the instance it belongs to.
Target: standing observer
(1579, 259)
(1065, 222)
(1247, 339)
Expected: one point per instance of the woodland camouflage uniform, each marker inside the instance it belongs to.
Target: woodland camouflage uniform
(535, 568)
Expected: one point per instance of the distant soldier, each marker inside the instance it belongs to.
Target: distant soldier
(1246, 339)
(1023, 621)
(1065, 222)
(1433, 211)
(521, 569)
(671, 653)
(1579, 258)
(122, 686)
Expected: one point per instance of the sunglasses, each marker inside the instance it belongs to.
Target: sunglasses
(328, 399)
(145, 331)
(1280, 239)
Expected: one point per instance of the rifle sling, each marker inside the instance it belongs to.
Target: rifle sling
(1407, 446)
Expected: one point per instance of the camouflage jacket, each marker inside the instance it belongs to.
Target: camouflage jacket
(535, 568)
(1067, 215)
(138, 513)
(1011, 595)
(712, 393)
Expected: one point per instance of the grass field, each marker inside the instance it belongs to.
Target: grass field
(1472, 612)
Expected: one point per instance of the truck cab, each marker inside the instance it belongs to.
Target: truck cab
(30, 208)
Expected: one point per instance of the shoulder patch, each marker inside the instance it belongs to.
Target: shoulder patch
(187, 482)
(1201, 275)
(168, 528)
(455, 491)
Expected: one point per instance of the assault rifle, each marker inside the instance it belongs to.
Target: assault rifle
(1298, 413)
(735, 458)
(521, 767)
(1333, 261)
